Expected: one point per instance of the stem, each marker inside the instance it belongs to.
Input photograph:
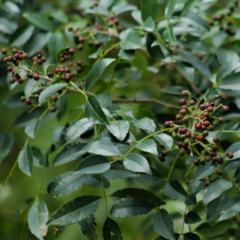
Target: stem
(43, 175)
(73, 84)
(183, 219)
(169, 174)
(104, 194)
(95, 130)
(230, 177)
(110, 49)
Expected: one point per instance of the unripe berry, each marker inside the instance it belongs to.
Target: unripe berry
(216, 139)
(182, 101)
(52, 109)
(185, 120)
(36, 77)
(180, 144)
(220, 120)
(205, 133)
(225, 108)
(185, 93)
(198, 126)
(206, 123)
(22, 98)
(4, 51)
(178, 116)
(183, 130)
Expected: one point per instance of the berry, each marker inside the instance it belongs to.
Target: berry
(188, 134)
(202, 117)
(14, 60)
(95, 4)
(161, 158)
(212, 104)
(207, 184)
(79, 62)
(39, 56)
(54, 98)
(182, 101)
(52, 109)
(198, 126)
(206, 123)
(183, 111)
(210, 109)
(183, 130)
(28, 101)
(201, 138)
(208, 159)
(36, 77)
(205, 133)
(225, 108)
(191, 102)
(220, 120)
(39, 61)
(14, 50)
(219, 172)
(20, 80)
(111, 17)
(230, 155)
(202, 107)
(178, 116)
(22, 98)
(12, 80)
(164, 153)
(167, 124)
(185, 93)
(185, 119)
(80, 47)
(59, 91)
(206, 114)
(4, 51)
(213, 154)
(67, 48)
(180, 144)
(116, 21)
(71, 51)
(9, 68)
(196, 162)
(100, 28)
(79, 69)
(81, 39)
(216, 139)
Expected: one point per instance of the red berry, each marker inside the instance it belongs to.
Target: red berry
(28, 101)
(9, 68)
(54, 98)
(202, 107)
(214, 148)
(184, 107)
(167, 124)
(80, 47)
(20, 80)
(185, 119)
(116, 21)
(196, 162)
(79, 69)
(180, 144)
(95, 4)
(183, 111)
(12, 80)
(71, 51)
(36, 77)
(191, 102)
(210, 109)
(208, 159)
(225, 108)
(201, 138)
(79, 62)
(111, 17)
(230, 155)
(207, 184)
(182, 101)
(4, 51)
(188, 134)
(206, 114)
(213, 154)
(81, 39)
(100, 28)
(206, 123)
(198, 126)
(202, 117)
(183, 130)
(216, 139)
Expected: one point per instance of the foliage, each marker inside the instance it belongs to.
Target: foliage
(141, 102)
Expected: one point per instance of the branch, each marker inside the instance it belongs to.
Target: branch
(119, 100)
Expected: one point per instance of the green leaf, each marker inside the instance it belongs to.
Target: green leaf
(131, 206)
(191, 218)
(226, 55)
(21, 36)
(173, 90)
(131, 41)
(31, 129)
(37, 20)
(137, 163)
(111, 230)
(122, 7)
(154, 51)
(94, 111)
(148, 145)
(216, 189)
(47, 92)
(237, 173)
(145, 178)
(230, 82)
(170, 8)
(211, 231)
(194, 19)
(170, 33)
(7, 26)
(88, 227)
(175, 190)
(227, 68)
(138, 193)
(75, 210)
(77, 129)
(93, 164)
(126, 54)
(212, 93)
(187, 6)
(229, 208)
(190, 236)
(119, 129)
(59, 16)
(164, 139)
(95, 181)
(235, 149)
(37, 219)
(97, 71)
(188, 72)
(13, 101)
(25, 160)
(149, 8)
(202, 68)
(6, 143)
(146, 124)
(69, 153)
(102, 148)
(55, 43)
(163, 224)
(205, 170)
(149, 25)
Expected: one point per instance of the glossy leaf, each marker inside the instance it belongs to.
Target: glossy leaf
(47, 92)
(154, 51)
(21, 36)
(227, 68)
(119, 129)
(216, 189)
(149, 8)
(163, 224)
(6, 143)
(235, 149)
(137, 163)
(95, 181)
(131, 41)
(102, 148)
(187, 6)
(75, 210)
(77, 129)
(164, 139)
(205, 170)
(93, 165)
(175, 190)
(69, 153)
(146, 124)
(111, 230)
(148, 145)
(94, 111)
(55, 43)
(191, 218)
(170, 8)
(25, 160)
(37, 219)
(31, 129)
(88, 227)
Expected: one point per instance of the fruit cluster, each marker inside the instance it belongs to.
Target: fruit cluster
(192, 126)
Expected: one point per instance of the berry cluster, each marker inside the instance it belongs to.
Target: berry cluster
(192, 126)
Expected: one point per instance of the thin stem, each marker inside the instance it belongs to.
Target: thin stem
(42, 180)
(104, 194)
(95, 130)
(73, 84)
(183, 219)
(110, 49)
(170, 172)
(230, 177)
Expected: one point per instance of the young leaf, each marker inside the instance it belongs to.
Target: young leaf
(6, 143)
(194, 19)
(227, 68)
(164, 139)
(149, 8)
(31, 129)
(88, 227)
(148, 145)
(196, 63)
(175, 190)
(75, 210)
(131, 206)
(78, 128)
(187, 6)
(97, 71)
(37, 219)
(170, 8)
(163, 224)
(102, 148)
(149, 25)
(93, 165)
(211, 231)
(191, 218)
(47, 92)
(146, 124)
(137, 163)
(205, 170)
(216, 189)
(111, 230)
(131, 41)
(94, 111)
(25, 160)
(69, 153)
(119, 129)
